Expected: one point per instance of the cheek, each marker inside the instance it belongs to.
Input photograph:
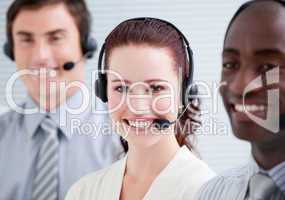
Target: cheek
(116, 106)
(222, 88)
(162, 105)
(77, 74)
(31, 82)
(227, 77)
(222, 91)
(282, 97)
(22, 59)
(114, 100)
(63, 53)
(165, 105)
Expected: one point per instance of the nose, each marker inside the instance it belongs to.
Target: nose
(139, 100)
(41, 55)
(241, 81)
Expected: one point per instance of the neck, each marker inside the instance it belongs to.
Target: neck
(268, 157)
(147, 163)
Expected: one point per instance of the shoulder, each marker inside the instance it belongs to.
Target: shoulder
(9, 115)
(232, 182)
(198, 168)
(83, 188)
(8, 120)
(89, 186)
(6, 117)
(196, 173)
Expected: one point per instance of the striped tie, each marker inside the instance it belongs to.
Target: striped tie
(45, 183)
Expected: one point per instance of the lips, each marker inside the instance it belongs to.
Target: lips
(241, 112)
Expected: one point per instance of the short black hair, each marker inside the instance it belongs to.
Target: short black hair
(244, 7)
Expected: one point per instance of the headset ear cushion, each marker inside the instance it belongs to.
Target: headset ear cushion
(89, 47)
(193, 91)
(190, 92)
(8, 51)
(101, 88)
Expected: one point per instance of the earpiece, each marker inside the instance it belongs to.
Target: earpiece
(8, 50)
(89, 46)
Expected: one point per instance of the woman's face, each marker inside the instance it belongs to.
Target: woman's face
(143, 85)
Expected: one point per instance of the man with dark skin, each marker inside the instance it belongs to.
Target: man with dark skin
(254, 46)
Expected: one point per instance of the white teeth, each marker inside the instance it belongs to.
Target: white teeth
(140, 124)
(249, 108)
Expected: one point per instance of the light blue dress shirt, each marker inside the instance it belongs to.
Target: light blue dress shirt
(233, 184)
(84, 147)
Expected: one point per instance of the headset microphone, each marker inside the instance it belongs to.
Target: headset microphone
(70, 65)
(162, 123)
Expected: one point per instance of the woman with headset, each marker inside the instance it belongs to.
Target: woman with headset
(145, 77)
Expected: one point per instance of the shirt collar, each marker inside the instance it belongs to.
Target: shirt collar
(61, 115)
(32, 121)
(277, 173)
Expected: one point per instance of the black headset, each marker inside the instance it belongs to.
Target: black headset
(88, 46)
(187, 84)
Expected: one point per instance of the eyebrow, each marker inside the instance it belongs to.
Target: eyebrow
(29, 34)
(259, 52)
(120, 80)
(147, 81)
(57, 31)
(266, 52)
(24, 33)
(231, 51)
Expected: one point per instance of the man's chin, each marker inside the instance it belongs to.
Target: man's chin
(47, 102)
(251, 132)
